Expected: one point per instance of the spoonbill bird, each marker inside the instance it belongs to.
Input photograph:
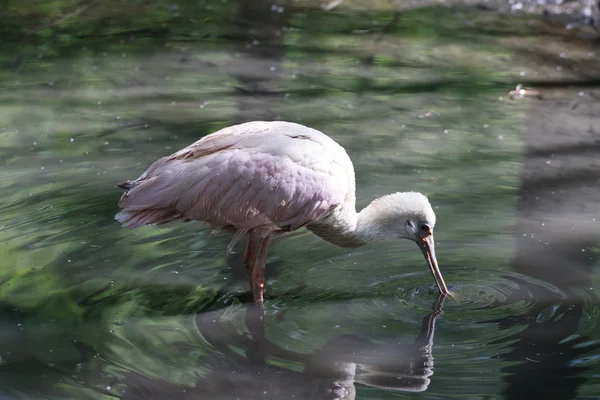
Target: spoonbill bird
(265, 179)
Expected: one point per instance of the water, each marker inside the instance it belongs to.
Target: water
(420, 101)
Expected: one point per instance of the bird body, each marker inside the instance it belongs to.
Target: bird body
(265, 179)
(273, 176)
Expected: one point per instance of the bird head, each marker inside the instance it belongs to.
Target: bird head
(410, 216)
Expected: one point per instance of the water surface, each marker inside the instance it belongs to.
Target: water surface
(419, 98)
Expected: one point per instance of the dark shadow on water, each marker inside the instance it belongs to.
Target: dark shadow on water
(330, 372)
(259, 59)
(556, 234)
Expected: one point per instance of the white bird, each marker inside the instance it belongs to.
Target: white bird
(265, 179)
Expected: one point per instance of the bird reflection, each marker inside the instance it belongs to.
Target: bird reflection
(247, 365)
(349, 359)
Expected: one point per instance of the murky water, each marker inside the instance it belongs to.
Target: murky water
(419, 100)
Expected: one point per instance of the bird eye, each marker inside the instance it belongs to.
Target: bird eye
(409, 223)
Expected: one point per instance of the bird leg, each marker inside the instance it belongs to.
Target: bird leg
(250, 257)
(258, 272)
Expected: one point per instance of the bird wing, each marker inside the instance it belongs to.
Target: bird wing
(272, 175)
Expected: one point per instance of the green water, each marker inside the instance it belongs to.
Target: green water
(92, 93)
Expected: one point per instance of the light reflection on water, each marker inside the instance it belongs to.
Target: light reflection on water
(89, 310)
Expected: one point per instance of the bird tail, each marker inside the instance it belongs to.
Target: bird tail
(136, 218)
(127, 185)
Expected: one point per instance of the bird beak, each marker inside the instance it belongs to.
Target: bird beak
(427, 246)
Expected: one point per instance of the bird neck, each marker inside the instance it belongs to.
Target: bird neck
(370, 224)
(347, 228)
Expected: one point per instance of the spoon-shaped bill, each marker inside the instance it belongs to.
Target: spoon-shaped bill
(427, 246)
